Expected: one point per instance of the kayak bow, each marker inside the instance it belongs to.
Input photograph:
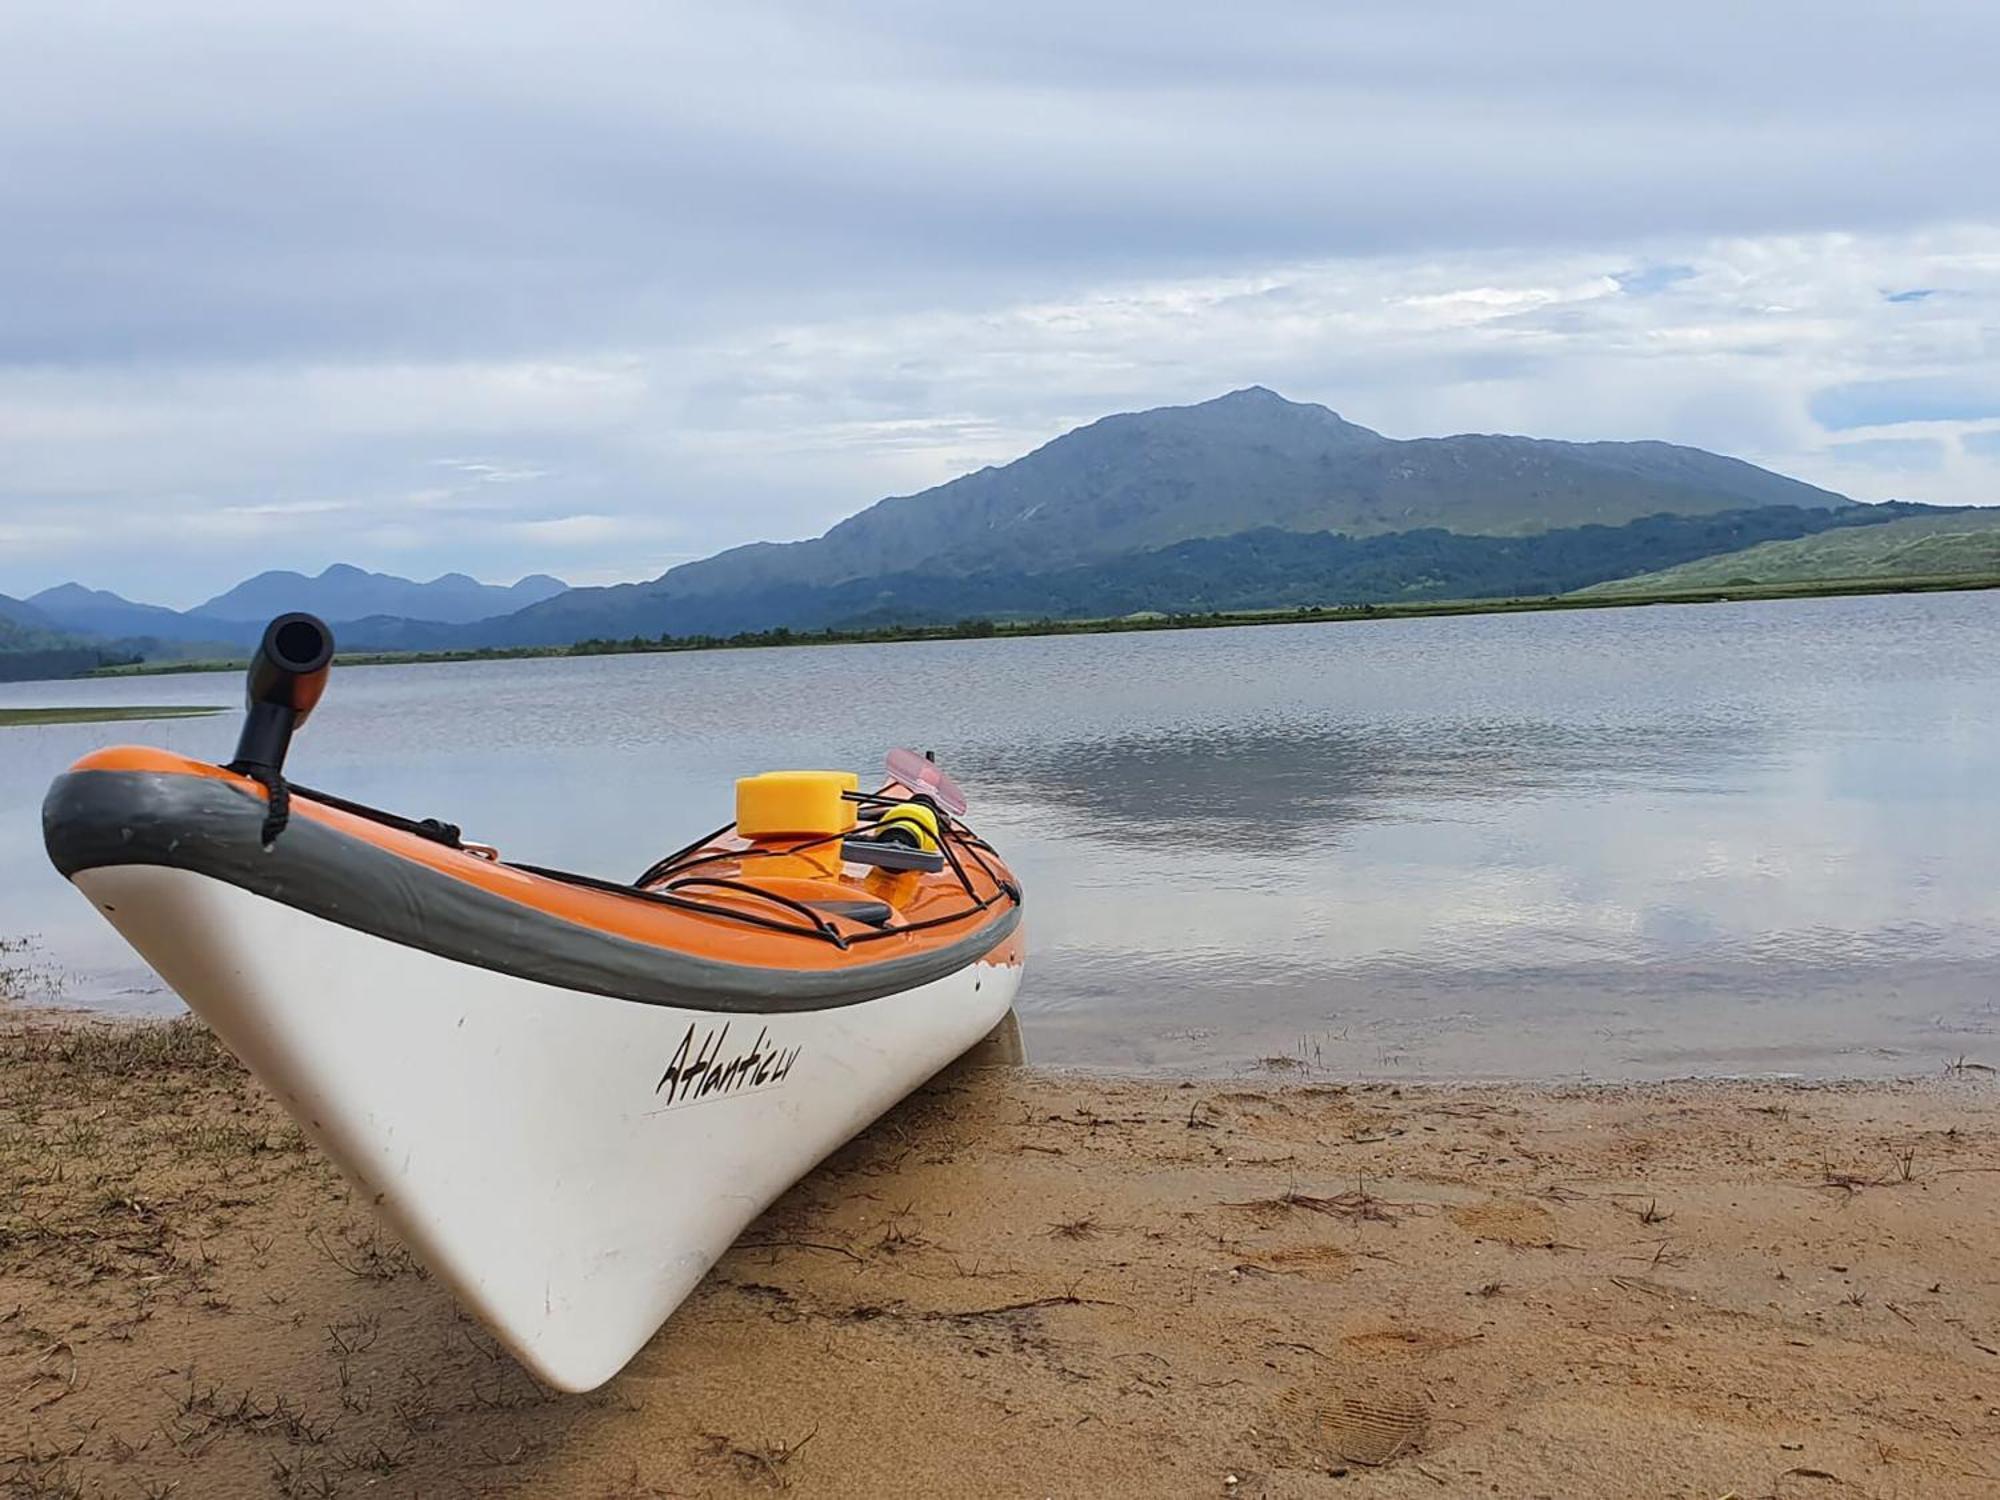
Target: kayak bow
(569, 1095)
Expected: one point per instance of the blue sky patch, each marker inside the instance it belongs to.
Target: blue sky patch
(1877, 403)
(1649, 280)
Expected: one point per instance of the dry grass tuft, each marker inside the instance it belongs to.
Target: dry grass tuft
(758, 1463)
(1075, 1229)
(118, 1050)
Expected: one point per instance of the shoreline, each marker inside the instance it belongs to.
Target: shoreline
(992, 629)
(1274, 1072)
(1027, 1282)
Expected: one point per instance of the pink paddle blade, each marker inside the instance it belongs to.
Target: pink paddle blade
(920, 775)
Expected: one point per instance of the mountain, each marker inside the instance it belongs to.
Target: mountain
(1144, 481)
(339, 593)
(101, 612)
(71, 628)
(18, 616)
(33, 646)
(1956, 543)
(343, 592)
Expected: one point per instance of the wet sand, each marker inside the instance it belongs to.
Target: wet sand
(1032, 1284)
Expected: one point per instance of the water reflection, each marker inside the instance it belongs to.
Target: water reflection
(1286, 786)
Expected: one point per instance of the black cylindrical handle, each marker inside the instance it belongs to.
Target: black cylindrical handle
(286, 677)
(291, 663)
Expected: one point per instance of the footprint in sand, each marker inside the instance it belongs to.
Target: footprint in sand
(1397, 1342)
(1368, 1422)
(1314, 1262)
(1507, 1220)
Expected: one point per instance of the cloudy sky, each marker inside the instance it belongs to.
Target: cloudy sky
(599, 287)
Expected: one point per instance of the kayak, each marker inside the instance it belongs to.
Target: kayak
(568, 1094)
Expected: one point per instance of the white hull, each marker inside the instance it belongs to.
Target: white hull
(529, 1141)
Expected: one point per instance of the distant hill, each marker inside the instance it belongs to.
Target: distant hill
(71, 628)
(343, 592)
(18, 618)
(1147, 480)
(101, 612)
(32, 646)
(1938, 545)
(233, 619)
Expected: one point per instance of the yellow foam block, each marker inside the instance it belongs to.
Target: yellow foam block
(800, 804)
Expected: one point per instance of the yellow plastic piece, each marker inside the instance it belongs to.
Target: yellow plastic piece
(919, 819)
(795, 804)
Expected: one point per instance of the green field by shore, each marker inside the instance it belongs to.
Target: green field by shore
(104, 715)
(983, 629)
(1965, 543)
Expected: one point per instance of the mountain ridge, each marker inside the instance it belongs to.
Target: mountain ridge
(339, 591)
(1138, 481)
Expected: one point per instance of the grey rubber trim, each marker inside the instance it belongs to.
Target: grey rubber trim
(93, 819)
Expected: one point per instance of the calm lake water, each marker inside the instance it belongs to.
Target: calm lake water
(1615, 844)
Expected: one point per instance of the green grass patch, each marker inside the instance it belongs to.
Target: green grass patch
(105, 715)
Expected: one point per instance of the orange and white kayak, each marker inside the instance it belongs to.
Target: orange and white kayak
(568, 1095)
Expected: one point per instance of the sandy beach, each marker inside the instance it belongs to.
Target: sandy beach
(1033, 1284)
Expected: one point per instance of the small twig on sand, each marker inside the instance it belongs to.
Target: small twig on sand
(1849, 1183)
(1805, 1473)
(1065, 1300)
(797, 1245)
(1639, 1286)
(1306, 1348)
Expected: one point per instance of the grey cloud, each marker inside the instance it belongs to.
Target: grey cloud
(1893, 453)
(496, 177)
(752, 240)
